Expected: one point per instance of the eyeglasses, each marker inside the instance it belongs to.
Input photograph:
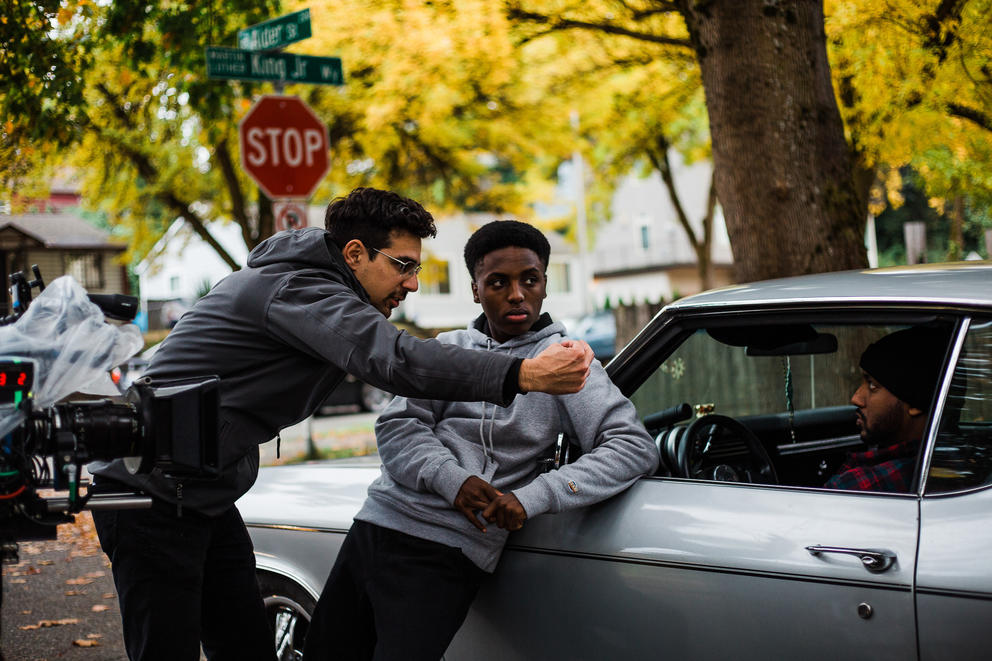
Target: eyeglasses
(405, 267)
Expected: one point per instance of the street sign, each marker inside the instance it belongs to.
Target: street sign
(284, 146)
(289, 215)
(277, 32)
(279, 67)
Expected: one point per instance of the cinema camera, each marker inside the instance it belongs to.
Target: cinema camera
(59, 345)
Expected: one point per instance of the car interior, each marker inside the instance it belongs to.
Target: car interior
(761, 401)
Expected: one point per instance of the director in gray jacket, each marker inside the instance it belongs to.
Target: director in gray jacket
(458, 476)
(281, 334)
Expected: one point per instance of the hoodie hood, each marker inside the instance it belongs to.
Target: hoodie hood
(310, 245)
(302, 248)
(543, 328)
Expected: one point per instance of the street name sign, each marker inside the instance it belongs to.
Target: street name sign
(235, 63)
(276, 33)
(284, 147)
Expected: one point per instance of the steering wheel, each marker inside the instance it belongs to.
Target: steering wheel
(703, 431)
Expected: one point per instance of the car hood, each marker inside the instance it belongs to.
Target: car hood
(324, 495)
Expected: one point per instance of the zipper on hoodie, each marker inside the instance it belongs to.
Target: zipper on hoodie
(179, 499)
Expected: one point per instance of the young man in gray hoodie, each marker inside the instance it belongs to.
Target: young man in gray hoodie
(457, 477)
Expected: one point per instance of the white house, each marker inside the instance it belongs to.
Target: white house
(181, 266)
(643, 254)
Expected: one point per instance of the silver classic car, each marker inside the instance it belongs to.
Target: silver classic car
(736, 549)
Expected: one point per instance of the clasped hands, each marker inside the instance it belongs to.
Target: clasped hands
(503, 509)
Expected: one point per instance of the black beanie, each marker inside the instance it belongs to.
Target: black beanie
(907, 363)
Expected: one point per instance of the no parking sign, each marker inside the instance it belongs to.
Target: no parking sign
(289, 215)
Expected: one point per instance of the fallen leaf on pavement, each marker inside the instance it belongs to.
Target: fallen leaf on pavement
(79, 581)
(47, 562)
(108, 595)
(83, 642)
(99, 608)
(44, 624)
(73, 593)
(94, 635)
(96, 574)
(27, 571)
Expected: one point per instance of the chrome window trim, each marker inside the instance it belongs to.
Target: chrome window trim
(938, 411)
(831, 300)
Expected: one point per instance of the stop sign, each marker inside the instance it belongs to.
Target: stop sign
(284, 146)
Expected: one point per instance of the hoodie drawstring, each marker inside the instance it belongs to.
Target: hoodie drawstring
(488, 449)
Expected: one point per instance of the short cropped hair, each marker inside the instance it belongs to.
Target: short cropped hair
(369, 215)
(503, 234)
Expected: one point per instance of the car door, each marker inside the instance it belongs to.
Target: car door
(702, 570)
(954, 576)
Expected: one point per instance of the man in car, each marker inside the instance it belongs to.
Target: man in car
(899, 376)
(457, 477)
(311, 306)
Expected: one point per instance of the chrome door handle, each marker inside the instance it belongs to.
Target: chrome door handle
(874, 560)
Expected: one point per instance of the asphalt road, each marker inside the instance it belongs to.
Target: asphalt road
(59, 601)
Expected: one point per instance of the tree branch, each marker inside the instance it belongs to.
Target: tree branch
(560, 24)
(659, 159)
(973, 115)
(223, 157)
(148, 171)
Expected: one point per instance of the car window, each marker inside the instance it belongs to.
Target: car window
(732, 379)
(789, 385)
(962, 456)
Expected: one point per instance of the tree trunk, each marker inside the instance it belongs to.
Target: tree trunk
(955, 241)
(782, 167)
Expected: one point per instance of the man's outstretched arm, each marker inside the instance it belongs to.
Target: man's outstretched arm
(558, 370)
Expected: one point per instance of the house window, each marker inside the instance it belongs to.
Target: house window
(436, 277)
(174, 284)
(643, 223)
(86, 268)
(558, 278)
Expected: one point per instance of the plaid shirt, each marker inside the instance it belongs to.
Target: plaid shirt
(883, 469)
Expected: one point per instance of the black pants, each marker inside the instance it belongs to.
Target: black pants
(391, 597)
(183, 580)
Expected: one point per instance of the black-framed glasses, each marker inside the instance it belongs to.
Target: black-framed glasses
(406, 267)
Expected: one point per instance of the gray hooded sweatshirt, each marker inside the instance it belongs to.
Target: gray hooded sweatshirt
(281, 334)
(429, 448)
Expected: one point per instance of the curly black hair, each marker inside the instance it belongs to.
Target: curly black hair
(369, 215)
(502, 234)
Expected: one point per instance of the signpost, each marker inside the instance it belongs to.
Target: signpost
(284, 147)
(277, 32)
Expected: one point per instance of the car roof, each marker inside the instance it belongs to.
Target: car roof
(954, 283)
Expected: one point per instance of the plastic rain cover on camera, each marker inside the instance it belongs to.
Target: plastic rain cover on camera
(73, 347)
